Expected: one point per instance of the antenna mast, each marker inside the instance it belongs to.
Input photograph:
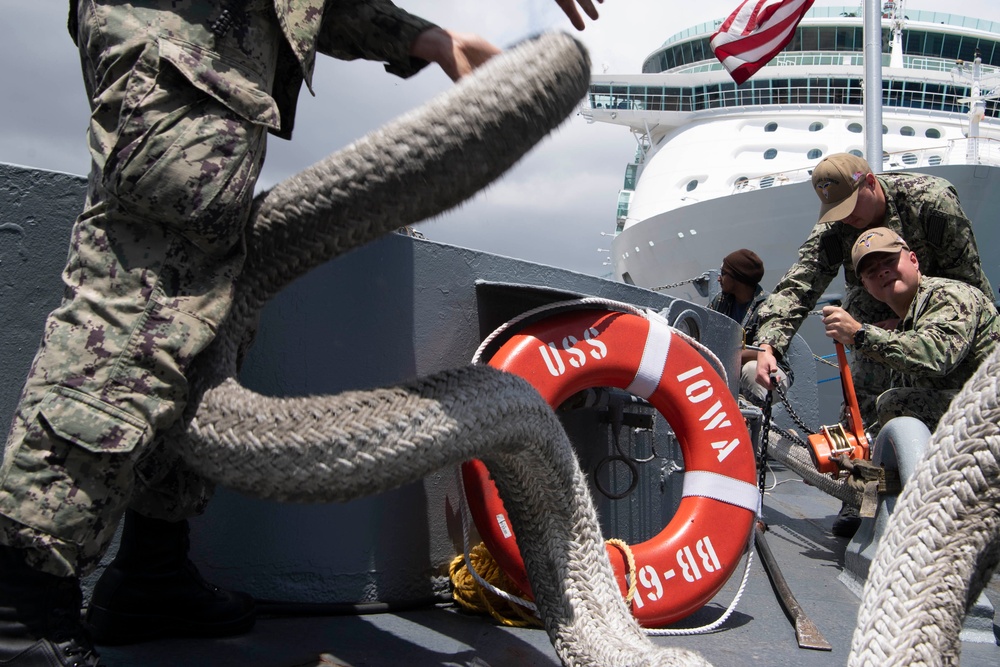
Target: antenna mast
(873, 84)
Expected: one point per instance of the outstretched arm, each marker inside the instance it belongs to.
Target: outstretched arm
(456, 53)
(569, 8)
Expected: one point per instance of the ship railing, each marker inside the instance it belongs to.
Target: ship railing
(836, 59)
(777, 179)
(975, 150)
(955, 152)
(781, 93)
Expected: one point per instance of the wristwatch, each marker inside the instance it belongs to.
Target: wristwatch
(861, 335)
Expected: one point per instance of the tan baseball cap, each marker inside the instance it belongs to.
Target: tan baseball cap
(836, 180)
(876, 240)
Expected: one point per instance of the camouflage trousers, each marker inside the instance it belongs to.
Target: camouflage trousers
(149, 277)
(927, 405)
(870, 377)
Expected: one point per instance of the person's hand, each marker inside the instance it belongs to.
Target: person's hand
(456, 53)
(569, 8)
(767, 365)
(839, 324)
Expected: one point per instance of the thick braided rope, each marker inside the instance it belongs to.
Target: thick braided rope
(943, 539)
(358, 443)
(337, 448)
(418, 166)
(797, 459)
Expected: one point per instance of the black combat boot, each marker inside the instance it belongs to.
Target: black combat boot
(847, 522)
(152, 590)
(40, 622)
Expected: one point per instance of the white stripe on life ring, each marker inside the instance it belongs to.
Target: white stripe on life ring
(654, 359)
(719, 487)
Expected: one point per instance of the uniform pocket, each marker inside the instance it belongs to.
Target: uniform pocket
(190, 144)
(227, 81)
(90, 423)
(72, 471)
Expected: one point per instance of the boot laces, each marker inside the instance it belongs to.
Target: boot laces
(72, 639)
(82, 655)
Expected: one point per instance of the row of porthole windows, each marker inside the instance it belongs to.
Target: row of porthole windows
(816, 153)
(906, 131)
(857, 128)
(909, 159)
(813, 154)
(814, 127)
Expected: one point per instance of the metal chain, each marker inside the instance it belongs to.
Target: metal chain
(704, 276)
(791, 412)
(789, 435)
(765, 433)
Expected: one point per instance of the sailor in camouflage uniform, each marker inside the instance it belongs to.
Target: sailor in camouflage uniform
(947, 329)
(183, 94)
(923, 209)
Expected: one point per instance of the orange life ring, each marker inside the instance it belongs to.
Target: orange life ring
(685, 565)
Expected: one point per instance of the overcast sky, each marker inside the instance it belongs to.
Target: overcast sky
(551, 208)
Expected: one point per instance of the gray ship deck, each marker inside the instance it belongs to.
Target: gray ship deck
(428, 317)
(798, 516)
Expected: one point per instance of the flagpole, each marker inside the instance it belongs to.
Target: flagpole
(873, 83)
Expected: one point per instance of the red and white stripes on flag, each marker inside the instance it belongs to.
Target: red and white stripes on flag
(754, 34)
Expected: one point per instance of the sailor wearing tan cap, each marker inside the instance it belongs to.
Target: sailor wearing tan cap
(946, 329)
(923, 209)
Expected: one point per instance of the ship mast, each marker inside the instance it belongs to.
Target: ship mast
(977, 104)
(873, 11)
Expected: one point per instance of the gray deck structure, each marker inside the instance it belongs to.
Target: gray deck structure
(385, 313)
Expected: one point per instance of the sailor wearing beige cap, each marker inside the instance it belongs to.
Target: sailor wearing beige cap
(922, 209)
(946, 329)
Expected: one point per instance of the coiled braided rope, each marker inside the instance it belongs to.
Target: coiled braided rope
(337, 448)
(942, 543)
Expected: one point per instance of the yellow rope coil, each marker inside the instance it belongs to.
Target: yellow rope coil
(471, 595)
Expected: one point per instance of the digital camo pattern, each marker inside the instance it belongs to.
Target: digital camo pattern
(927, 405)
(177, 135)
(925, 211)
(950, 329)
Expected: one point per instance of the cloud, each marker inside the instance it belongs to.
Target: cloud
(550, 208)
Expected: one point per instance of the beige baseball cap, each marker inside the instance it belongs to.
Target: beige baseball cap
(836, 180)
(876, 240)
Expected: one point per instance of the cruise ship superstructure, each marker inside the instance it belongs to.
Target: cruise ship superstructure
(719, 166)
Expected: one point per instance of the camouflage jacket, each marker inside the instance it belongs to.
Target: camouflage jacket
(346, 29)
(923, 209)
(947, 333)
(725, 304)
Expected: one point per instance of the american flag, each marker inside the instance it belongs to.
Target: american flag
(755, 32)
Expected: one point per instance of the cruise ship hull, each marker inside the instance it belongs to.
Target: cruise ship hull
(685, 242)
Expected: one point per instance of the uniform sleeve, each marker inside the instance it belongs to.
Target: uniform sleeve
(784, 310)
(941, 338)
(956, 253)
(373, 30)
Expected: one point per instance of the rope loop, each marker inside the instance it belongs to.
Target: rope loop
(626, 550)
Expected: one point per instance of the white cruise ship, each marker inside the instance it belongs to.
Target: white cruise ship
(720, 167)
